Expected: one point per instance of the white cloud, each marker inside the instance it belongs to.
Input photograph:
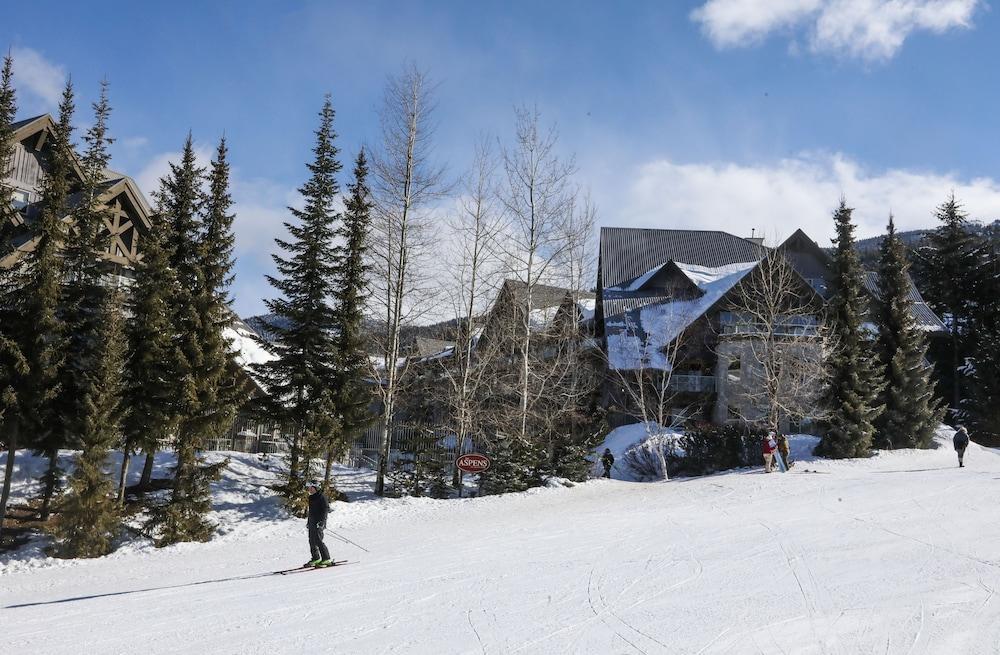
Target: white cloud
(38, 79)
(865, 29)
(792, 193)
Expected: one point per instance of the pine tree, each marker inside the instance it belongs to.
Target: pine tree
(220, 386)
(983, 371)
(911, 411)
(13, 365)
(153, 357)
(181, 202)
(948, 269)
(855, 379)
(41, 331)
(90, 519)
(300, 375)
(83, 297)
(349, 386)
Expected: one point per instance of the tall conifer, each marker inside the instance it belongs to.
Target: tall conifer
(300, 376)
(948, 269)
(83, 299)
(153, 356)
(13, 365)
(983, 370)
(855, 378)
(351, 291)
(911, 411)
(181, 201)
(41, 331)
(220, 384)
(90, 519)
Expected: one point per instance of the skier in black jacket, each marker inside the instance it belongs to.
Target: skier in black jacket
(316, 523)
(608, 460)
(961, 442)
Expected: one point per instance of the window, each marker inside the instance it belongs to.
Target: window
(19, 199)
(735, 367)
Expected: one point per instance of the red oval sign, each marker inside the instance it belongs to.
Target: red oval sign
(473, 463)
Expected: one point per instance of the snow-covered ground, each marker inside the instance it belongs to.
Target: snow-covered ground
(899, 553)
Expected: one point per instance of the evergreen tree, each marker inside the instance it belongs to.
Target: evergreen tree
(39, 289)
(13, 365)
(153, 356)
(298, 379)
(220, 386)
(911, 411)
(84, 294)
(983, 371)
(181, 203)
(90, 519)
(855, 379)
(351, 290)
(947, 267)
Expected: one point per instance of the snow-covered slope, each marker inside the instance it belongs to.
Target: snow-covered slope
(893, 554)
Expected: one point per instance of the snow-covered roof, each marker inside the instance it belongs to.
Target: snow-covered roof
(637, 338)
(248, 350)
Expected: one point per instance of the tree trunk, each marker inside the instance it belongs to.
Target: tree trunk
(8, 473)
(956, 376)
(327, 468)
(147, 471)
(126, 458)
(50, 486)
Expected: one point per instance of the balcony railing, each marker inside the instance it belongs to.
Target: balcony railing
(695, 383)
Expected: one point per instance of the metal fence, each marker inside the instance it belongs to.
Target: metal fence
(431, 441)
(250, 436)
(405, 439)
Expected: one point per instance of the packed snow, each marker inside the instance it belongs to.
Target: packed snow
(892, 554)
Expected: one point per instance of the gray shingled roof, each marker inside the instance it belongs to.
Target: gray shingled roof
(922, 313)
(543, 295)
(627, 253)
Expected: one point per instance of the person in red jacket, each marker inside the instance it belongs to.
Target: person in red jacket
(768, 446)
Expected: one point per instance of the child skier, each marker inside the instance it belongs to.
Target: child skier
(768, 446)
(608, 460)
(961, 442)
(316, 524)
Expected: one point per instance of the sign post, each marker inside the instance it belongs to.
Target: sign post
(470, 463)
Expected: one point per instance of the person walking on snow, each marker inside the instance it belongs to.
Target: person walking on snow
(316, 524)
(783, 450)
(608, 460)
(768, 446)
(961, 441)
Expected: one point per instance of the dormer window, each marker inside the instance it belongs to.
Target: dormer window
(19, 199)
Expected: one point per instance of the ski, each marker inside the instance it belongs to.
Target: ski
(302, 569)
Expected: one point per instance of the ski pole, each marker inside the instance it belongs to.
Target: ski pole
(346, 540)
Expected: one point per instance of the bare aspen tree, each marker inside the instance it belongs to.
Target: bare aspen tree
(405, 182)
(773, 329)
(475, 274)
(538, 198)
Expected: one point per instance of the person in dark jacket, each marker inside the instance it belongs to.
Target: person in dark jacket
(783, 450)
(961, 442)
(316, 524)
(608, 460)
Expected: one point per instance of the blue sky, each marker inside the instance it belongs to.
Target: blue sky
(719, 114)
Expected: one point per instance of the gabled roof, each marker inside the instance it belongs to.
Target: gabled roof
(626, 253)
(924, 316)
(542, 295)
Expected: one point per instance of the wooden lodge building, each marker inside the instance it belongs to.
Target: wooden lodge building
(132, 219)
(657, 286)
